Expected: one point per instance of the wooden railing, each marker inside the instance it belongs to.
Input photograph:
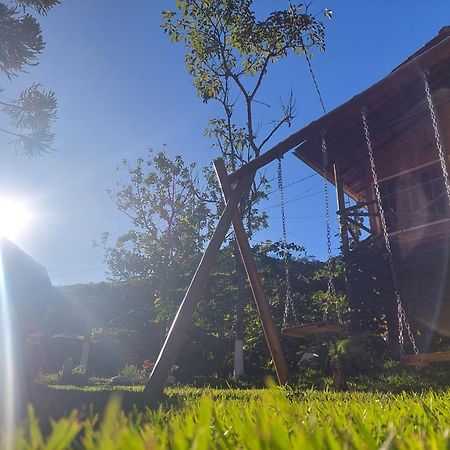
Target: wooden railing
(398, 219)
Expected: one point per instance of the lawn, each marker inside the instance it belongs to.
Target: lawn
(273, 418)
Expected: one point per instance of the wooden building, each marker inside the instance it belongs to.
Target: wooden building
(404, 144)
(411, 155)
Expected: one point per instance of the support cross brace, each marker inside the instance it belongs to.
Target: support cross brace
(270, 331)
(183, 318)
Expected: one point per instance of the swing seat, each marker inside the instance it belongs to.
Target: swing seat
(425, 359)
(300, 331)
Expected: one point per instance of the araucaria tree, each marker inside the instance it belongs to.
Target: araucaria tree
(31, 114)
(229, 52)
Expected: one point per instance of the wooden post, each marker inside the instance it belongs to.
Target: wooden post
(343, 225)
(270, 331)
(343, 228)
(183, 318)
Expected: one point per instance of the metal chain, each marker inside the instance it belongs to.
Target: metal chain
(401, 316)
(313, 76)
(331, 291)
(288, 301)
(437, 135)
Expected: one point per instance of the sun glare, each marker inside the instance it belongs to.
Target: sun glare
(8, 387)
(14, 216)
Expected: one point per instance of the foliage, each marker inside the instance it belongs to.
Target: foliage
(146, 369)
(32, 114)
(41, 6)
(359, 354)
(79, 370)
(392, 377)
(273, 418)
(76, 378)
(206, 355)
(308, 279)
(99, 306)
(228, 54)
(129, 370)
(210, 339)
(161, 198)
(372, 295)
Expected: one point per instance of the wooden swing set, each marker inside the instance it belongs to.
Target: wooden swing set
(367, 135)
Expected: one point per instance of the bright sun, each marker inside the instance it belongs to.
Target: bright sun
(13, 217)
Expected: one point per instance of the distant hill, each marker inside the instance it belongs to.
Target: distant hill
(26, 287)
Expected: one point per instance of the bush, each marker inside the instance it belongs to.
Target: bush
(360, 354)
(128, 370)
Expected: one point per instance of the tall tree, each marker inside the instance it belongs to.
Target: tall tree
(161, 197)
(228, 54)
(33, 112)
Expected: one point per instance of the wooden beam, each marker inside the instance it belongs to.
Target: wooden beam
(354, 235)
(358, 205)
(183, 318)
(359, 225)
(275, 152)
(270, 331)
(361, 214)
(343, 225)
(364, 243)
(343, 228)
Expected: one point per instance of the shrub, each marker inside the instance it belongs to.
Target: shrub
(128, 370)
(360, 354)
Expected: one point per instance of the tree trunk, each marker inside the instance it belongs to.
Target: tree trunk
(339, 378)
(238, 369)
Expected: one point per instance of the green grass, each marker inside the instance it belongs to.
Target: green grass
(99, 388)
(257, 419)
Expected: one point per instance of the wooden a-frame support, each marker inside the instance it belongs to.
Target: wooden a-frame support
(183, 318)
(270, 331)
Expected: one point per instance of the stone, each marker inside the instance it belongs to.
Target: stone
(122, 381)
(308, 360)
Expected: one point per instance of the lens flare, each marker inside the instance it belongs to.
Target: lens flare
(13, 217)
(8, 386)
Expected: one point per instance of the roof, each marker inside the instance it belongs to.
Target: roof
(392, 106)
(443, 33)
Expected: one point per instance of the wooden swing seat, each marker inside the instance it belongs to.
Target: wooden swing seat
(425, 359)
(300, 331)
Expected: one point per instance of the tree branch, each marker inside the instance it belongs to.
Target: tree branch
(261, 75)
(274, 130)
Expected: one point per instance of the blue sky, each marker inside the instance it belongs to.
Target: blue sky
(122, 87)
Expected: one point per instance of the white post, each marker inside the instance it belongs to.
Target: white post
(238, 359)
(85, 350)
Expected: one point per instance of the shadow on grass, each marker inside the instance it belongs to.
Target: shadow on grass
(53, 402)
